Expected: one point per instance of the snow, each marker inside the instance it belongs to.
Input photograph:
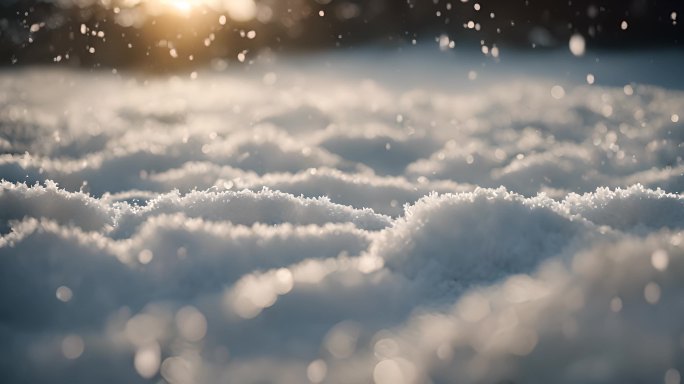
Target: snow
(335, 221)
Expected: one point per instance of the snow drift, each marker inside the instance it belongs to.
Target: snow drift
(227, 230)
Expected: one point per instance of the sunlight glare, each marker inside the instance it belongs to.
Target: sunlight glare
(184, 6)
(238, 10)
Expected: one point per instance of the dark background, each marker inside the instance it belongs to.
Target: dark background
(295, 26)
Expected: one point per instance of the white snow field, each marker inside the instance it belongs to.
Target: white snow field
(370, 217)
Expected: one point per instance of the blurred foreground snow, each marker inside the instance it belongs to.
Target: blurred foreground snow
(299, 222)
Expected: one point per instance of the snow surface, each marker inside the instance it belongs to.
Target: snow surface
(297, 224)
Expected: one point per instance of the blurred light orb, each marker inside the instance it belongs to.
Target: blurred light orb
(145, 256)
(577, 44)
(72, 347)
(284, 281)
(672, 376)
(143, 329)
(607, 110)
(243, 307)
(557, 92)
(616, 304)
(64, 294)
(147, 360)
(652, 293)
(386, 348)
(628, 90)
(177, 370)
(342, 338)
(191, 323)
(316, 371)
(590, 79)
(660, 260)
(388, 372)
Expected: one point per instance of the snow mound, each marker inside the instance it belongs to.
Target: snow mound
(477, 237)
(606, 317)
(631, 209)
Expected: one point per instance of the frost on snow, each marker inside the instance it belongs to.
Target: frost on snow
(205, 230)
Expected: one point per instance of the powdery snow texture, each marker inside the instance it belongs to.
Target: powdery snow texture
(220, 230)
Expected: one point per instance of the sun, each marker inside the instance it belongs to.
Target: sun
(182, 6)
(238, 10)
